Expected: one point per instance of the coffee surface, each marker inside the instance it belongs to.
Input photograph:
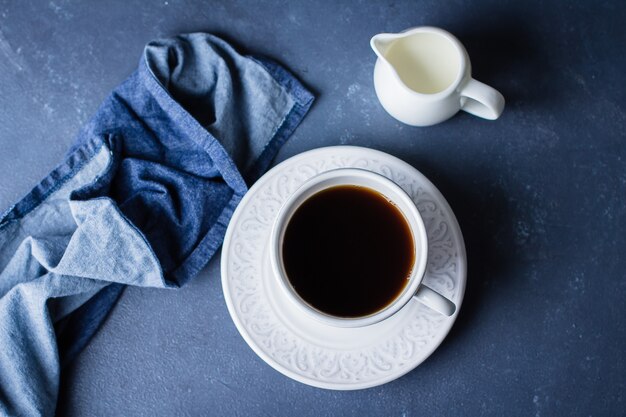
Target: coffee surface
(348, 251)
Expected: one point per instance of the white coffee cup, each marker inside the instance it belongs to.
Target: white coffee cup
(423, 76)
(397, 196)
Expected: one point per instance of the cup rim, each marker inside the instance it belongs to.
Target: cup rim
(410, 212)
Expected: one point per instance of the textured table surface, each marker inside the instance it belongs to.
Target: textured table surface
(540, 195)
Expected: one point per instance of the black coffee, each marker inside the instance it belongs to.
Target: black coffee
(348, 251)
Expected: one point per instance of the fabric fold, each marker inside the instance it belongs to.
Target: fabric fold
(143, 198)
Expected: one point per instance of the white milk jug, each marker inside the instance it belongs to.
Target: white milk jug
(423, 77)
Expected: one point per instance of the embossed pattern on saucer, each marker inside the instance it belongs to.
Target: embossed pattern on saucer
(304, 349)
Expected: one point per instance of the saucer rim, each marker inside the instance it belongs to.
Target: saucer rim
(348, 386)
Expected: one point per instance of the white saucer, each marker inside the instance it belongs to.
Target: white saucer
(304, 349)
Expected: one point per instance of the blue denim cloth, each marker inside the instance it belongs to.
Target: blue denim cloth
(143, 198)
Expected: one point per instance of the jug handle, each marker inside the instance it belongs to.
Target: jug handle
(481, 100)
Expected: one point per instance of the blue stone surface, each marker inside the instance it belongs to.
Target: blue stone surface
(540, 195)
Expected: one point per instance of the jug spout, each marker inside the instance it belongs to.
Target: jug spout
(381, 43)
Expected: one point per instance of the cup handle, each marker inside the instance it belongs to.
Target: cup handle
(434, 300)
(481, 100)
